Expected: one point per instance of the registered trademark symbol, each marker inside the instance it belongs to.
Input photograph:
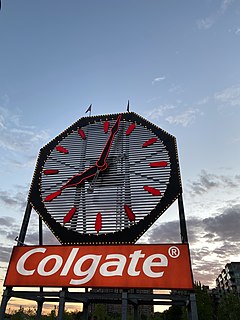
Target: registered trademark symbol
(174, 252)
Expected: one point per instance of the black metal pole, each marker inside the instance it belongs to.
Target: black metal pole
(183, 227)
(40, 231)
(124, 304)
(25, 222)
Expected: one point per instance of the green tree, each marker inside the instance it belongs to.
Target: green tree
(173, 313)
(204, 303)
(229, 307)
(19, 315)
(100, 312)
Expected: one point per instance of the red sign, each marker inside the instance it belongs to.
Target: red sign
(164, 266)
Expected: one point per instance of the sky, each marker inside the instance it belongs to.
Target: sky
(177, 62)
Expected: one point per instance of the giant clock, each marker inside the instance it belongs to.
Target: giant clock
(105, 179)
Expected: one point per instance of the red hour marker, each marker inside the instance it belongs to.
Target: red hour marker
(61, 149)
(82, 134)
(130, 129)
(149, 142)
(69, 215)
(129, 213)
(98, 222)
(158, 164)
(52, 196)
(106, 126)
(153, 191)
(50, 171)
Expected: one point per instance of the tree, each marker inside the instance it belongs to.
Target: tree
(204, 303)
(173, 313)
(229, 307)
(100, 312)
(19, 315)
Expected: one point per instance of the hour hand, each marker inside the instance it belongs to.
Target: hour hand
(73, 182)
(101, 162)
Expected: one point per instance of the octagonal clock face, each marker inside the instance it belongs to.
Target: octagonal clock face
(105, 179)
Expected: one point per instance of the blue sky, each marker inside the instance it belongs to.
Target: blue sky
(178, 64)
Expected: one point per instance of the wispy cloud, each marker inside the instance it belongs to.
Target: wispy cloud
(19, 144)
(15, 199)
(229, 96)
(15, 136)
(158, 79)
(207, 181)
(5, 253)
(158, 112)
(237, 31)
(185, 118)
(208, 22)
(6, 221)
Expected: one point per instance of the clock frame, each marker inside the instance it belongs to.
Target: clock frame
(141, 181)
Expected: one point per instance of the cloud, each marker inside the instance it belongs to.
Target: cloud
(14, 136)
(28, 163)
(48, 238)
(237, 31)
(6, 221)
(10, 227)
(166, 111)
(208, 22)
(213, 241)
(229, 96)
(158, 112)
(207, 181)
(185, 118)
(225, 226)
(16, 200)
(5, 253)
(158, 79)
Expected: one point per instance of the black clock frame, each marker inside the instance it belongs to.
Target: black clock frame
(134, 232)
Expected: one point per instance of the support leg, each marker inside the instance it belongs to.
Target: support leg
(193, 315)
(136, 312)
(85, 310)
(124, 305)
(61, 305)
(24, 226)
(5, 299)
(39, 309)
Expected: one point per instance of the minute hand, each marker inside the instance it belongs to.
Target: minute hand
(101, 162)
(73, 182)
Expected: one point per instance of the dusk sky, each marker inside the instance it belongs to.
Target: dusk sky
(177, 62)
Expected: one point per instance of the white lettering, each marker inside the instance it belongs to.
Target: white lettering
(56, 267)
(149, 263)
(69, 262)
(80, 268)
(89, 273)
(21, 262)
(135, 256)
(119, 264)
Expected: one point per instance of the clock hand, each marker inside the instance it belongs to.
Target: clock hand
(101, 162)
(101, 165)
(90, 189)
(94, 180)
(73, 182)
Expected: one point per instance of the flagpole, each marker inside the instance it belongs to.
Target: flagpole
(89, 109)
(128, 109)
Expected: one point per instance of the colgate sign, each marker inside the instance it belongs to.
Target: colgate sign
(129, 266)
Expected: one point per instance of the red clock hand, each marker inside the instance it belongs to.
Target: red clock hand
(73, 182)
(101, 162)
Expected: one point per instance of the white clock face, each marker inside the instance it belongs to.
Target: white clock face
(105, 177)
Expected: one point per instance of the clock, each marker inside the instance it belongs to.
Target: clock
(105, 179)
